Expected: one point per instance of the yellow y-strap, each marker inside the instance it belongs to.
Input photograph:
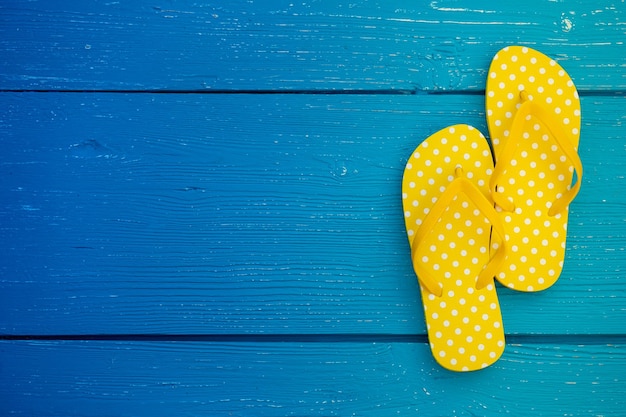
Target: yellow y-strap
(562, 139)
(459, 185)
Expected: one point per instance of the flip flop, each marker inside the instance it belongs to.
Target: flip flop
(449, 220)
(533, 114)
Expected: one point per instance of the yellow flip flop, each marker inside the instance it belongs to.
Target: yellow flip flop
(533, 114)
(449, 220)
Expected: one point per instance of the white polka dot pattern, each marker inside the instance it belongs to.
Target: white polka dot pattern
(464, 323)
(539, 173)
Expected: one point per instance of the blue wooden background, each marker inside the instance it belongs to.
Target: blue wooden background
(201, 214)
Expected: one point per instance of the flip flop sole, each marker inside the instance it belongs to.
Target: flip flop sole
(539, 173)
(464, 323)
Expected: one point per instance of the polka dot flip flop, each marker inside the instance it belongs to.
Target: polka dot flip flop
(449, 220)
(533, 113)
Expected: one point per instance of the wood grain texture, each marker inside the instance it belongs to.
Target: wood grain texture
(329, 45)
(178, 213)
(364, 379)
(244, 254)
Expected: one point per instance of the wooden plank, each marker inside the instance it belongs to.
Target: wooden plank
(365, 379)
(167, 213)
(428, 46)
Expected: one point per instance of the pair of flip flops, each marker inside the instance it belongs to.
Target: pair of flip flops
(469, 221)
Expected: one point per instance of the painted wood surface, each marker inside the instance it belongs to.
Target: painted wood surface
(240, 250)
(312, 379)
(319, 45)
(249, 213)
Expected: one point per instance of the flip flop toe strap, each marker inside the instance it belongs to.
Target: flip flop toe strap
(527, 108)
(459, 185)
